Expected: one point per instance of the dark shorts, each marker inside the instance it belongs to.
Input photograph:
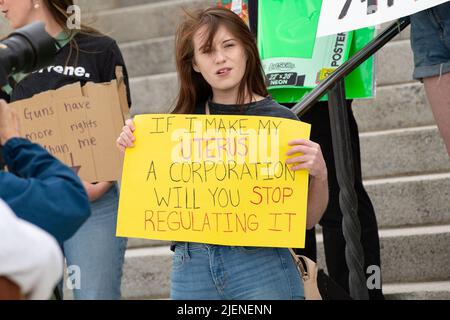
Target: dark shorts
(430, 41)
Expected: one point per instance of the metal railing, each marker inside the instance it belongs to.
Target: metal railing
(344, 162)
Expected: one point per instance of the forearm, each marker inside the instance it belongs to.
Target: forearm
(9, 290)
(96, 191)
(43, 191)
(101, 188)
(317, 201)
(29, 160)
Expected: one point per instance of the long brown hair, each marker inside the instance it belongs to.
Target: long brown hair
(193, 87)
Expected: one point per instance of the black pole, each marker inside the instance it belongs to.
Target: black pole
(348, 200)
(253, 16)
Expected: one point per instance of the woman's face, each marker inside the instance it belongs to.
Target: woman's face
(224, 67)
(17, 12)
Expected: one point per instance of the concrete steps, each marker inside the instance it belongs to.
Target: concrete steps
(415, 254)
(403, 152)
(439, 290)
(96, 5)
(394, 63)
(147, 273)
(153, 94)
(135, 243)
(396, 106)
(153, 56)
(130, 20)
(146, 21)
(411, 201)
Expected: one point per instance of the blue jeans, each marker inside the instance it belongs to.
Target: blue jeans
(430, 41)
(97, 251)
(211, 272)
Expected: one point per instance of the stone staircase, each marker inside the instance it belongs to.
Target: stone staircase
(405, 166)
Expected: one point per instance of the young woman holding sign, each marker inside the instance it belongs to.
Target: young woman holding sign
(83, 55)
(220, 72)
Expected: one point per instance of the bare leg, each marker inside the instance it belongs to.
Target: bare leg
(438, 93)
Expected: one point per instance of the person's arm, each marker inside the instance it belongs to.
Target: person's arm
(38, 187)
(317, 200)
(311, 159)
(96, 190)
(42, 190)
(9, 290)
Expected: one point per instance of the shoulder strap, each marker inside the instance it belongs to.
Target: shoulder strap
(304, 264)
(300, 264)
(122, 89)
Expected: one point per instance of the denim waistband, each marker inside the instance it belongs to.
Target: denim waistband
(196, 245)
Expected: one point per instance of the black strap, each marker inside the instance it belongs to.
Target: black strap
(57, 294)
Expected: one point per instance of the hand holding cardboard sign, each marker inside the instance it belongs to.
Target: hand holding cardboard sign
(9, 123)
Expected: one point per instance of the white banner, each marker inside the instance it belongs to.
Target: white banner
(345, 15)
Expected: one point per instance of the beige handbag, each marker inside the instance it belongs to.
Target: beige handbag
(308, 272)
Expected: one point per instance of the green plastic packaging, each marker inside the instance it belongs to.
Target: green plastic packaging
(295, 61)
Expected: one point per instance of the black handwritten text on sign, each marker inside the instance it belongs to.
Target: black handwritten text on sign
(372, 7)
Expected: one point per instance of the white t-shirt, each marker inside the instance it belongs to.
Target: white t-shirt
(29, 256)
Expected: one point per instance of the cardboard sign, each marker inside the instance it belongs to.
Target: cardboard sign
(79, 126)
(345, 15)
(214, 179)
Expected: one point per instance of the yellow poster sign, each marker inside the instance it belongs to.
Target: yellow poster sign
(214, 179)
